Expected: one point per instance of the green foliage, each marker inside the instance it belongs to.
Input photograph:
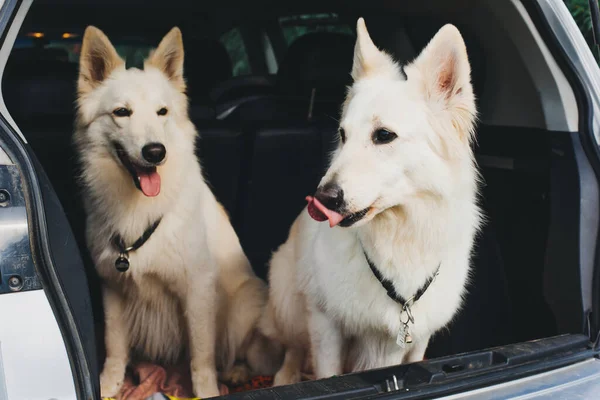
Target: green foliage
(234, 43)
(580, 10)
(581, 13)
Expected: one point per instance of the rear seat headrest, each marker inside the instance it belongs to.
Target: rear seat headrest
(321, 60)
(39, 86)
(206, 64)
(32, 54)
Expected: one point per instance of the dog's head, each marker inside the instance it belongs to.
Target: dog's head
(132, 120)
(402, 136)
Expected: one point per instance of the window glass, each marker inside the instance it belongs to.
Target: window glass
(67, 47)
(295, 26)
(234, 44)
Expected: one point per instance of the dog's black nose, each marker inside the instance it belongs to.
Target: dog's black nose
(154, 152)
(331, 196)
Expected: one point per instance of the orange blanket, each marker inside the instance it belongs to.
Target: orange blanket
(145, 379)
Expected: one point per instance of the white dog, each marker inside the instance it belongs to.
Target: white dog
(176, 280)
(400, 196)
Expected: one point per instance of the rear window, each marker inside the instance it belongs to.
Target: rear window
(66, 46)
(296, 26)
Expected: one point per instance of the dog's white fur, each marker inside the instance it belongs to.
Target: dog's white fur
(421, 191)
(190, 289)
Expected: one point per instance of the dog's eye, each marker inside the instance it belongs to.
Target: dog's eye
(383, 136)
(122, 112)
(162, 111)
(343, 135)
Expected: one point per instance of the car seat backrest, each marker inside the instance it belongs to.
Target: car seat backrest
(39, 87)
(206, 64)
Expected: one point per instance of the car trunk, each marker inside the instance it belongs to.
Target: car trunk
(529, 271)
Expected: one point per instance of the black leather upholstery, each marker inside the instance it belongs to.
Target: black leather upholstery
(40, 88)
(320, 61)
(220, 149)
(240, 87)
(206, 63)
(287, 164)
(311, 81)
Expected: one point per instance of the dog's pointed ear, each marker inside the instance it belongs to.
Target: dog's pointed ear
(168, 57)
(443, 73)
(368, 59)
(97, 61)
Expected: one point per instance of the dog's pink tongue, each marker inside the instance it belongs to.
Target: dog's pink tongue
(149, 182)
(320, 213)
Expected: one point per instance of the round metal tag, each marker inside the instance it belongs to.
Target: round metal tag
(122, 264)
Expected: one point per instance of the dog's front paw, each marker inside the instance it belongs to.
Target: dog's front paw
(287, 376)
(205, 383)
(237, 375)
(111, 378)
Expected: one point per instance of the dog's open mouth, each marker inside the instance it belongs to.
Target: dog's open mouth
(320, 213)
(145, 178)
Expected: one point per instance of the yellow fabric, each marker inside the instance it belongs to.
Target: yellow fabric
(181, 398)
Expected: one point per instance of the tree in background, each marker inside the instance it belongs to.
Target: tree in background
(580, 10)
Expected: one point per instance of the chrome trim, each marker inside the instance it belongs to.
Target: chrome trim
(577, 381)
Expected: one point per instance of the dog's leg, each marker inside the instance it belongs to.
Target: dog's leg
(291, 370)
(201, 319)
(264, 356)
(416, 352)
(117, 344)
(326, 344)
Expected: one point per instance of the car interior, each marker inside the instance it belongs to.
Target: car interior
(266, 81)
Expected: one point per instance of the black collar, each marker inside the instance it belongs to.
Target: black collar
(391, 291)
(122, 262)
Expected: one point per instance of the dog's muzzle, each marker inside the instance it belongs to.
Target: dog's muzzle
(328, 204)
(145, 177)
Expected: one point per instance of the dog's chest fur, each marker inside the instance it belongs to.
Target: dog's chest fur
(154, 315)
(160, 271)
(336, 275)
